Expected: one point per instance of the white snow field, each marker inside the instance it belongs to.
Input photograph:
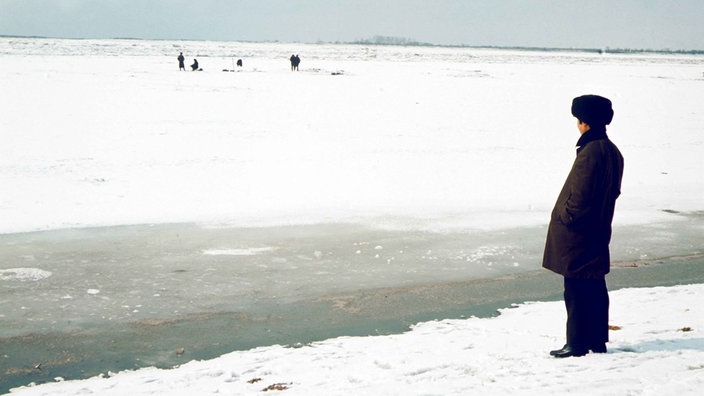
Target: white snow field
(110, 132)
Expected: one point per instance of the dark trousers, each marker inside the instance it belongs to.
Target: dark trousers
(587, 303)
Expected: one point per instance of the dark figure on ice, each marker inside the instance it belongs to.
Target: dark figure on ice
(239, 62)
(295, 61)
(577, 243)
(181, 59)
(194, 66)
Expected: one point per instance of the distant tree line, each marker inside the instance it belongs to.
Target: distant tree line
(403, 41)
(391, 40)
(662, 51)
(606, 50)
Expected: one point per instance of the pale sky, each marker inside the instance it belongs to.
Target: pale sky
(640, 24)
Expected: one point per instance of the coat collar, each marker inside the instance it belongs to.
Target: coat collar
(590, 136)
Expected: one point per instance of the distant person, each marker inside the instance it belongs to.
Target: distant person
(577, 243)
(293, 62)
(239, 62)
(194, 66)
(181, 59)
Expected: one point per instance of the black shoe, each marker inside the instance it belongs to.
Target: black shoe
(556, 351)
(598, 348)
(568, 351)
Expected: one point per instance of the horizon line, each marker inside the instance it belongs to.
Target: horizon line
(402, 42)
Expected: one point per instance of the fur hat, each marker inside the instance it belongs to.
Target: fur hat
(593, 109)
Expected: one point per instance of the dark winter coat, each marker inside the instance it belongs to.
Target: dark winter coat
(577, 244)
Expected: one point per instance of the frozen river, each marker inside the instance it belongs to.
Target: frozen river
(86, 301)
(68, 280)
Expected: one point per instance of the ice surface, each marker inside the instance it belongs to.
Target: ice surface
(116, 275)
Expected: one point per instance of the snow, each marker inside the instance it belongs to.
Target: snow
(23, 274)
(238, 252)
(656, 348)
(100, 133)
(109, 132)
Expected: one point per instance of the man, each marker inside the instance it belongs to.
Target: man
(577, 243)
(181, 59)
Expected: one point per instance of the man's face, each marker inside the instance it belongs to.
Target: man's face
(582, 126)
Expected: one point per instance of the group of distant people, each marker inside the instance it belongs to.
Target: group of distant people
(181, 65)
(295, 61)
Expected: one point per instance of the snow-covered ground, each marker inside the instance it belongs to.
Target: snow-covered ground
(472, 144)
(656, 348)
(109, 132)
